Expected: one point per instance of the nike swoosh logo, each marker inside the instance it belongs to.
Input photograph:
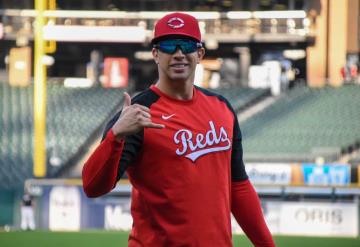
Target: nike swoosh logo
(167, 117)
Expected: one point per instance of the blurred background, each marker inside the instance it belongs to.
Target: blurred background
(290, 69)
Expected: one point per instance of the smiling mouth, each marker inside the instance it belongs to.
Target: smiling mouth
(178, 66)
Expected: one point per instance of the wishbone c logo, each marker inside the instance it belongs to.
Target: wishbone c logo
(176, 22)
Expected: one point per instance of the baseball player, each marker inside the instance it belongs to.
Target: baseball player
(180, 146)
(27, 213)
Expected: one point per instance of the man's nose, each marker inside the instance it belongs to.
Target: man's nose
(179, 52)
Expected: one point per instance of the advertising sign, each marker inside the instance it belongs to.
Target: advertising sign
(67, 208)
(64, 208)
(319, 219)
(20, 66)
(117, 218)
(269, 173)
(116, 72)
(328, 174)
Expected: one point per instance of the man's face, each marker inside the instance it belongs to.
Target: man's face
(177, 59)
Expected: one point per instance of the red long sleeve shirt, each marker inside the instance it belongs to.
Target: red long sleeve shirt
(187, 178)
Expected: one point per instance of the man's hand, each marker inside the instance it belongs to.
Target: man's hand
(133, 118)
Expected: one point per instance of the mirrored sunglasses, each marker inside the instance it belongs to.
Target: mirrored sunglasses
(171, 46)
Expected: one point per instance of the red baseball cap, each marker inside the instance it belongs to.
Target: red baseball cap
(177, 24)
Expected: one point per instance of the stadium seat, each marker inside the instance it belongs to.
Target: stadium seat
(303, 124)
(73, 116)
(241, 97)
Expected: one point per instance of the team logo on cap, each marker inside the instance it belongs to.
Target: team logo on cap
(176, 22)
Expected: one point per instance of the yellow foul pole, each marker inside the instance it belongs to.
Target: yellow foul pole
(40, 48)
(39, 93)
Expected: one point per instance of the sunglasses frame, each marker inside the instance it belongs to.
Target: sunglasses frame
(178, 45)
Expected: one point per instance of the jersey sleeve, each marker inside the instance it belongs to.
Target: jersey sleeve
(238, 172)
(109, 161)
(132, 146)
(246, 208)
(99, 171)
(133, 143)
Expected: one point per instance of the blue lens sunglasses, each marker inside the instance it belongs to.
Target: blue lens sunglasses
(170, 46)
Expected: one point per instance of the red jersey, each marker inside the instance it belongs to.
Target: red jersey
(183, 174)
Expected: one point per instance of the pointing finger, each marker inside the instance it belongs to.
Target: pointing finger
(154, 125)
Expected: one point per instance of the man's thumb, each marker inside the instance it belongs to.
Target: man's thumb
(127, 99)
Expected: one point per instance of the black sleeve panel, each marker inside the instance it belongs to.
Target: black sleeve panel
(238, 172)
(133, 143)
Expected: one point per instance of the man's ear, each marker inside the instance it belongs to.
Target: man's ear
(201, 53)
(155, 54)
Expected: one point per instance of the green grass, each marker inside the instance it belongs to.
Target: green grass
(119, 239)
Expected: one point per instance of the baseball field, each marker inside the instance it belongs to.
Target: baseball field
(119, 239)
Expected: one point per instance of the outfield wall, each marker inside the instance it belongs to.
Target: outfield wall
(66, 208)
(297, 199)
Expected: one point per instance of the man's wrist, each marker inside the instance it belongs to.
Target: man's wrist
(118, 137)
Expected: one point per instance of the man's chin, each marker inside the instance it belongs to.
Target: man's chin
(179, 78)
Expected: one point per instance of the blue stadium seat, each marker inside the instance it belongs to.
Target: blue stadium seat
(73, 116)
(304, 124)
